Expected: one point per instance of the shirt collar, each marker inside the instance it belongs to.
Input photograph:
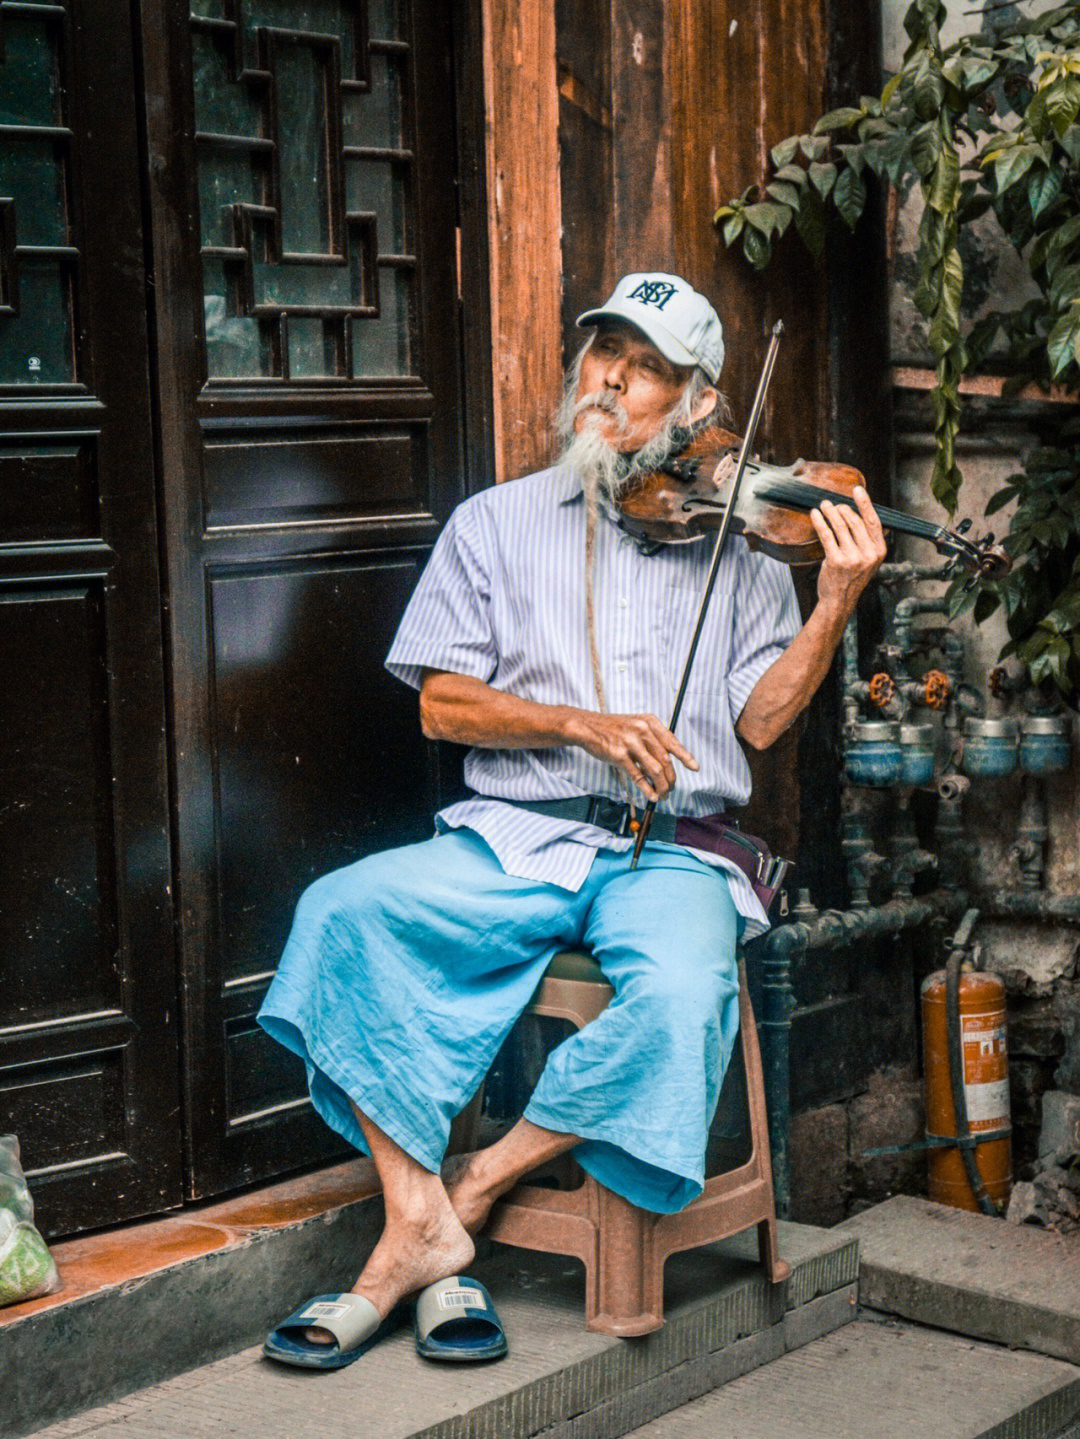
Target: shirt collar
(570, 485)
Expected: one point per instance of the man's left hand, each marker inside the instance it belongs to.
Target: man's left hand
(854, 545)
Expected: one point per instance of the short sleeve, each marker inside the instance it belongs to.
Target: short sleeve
(766, 620)
(447, 624)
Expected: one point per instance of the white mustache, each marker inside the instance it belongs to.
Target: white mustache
(605, 401)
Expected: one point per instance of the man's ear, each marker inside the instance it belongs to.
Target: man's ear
(706, 404)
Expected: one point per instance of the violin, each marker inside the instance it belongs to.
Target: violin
(687, 497)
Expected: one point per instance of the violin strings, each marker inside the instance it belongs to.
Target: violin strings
(801, 496)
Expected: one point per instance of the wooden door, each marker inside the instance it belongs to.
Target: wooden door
(303, 197)
(88, 1015)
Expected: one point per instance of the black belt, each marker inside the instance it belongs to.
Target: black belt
(612, 814)
(713, 832)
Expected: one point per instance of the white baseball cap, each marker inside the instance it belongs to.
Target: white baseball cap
(678, 320)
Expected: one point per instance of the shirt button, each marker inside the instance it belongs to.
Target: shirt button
(623, 602)
(622, 667)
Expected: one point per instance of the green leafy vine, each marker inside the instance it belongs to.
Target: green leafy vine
(985, 124)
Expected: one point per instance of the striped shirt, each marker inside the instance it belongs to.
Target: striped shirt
(503, 599)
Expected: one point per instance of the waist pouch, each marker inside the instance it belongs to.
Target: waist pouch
(714, 833)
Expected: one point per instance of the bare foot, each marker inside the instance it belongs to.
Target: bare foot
(416, 1248)
(469, 1194)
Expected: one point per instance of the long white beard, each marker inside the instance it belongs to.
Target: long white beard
(604, 470)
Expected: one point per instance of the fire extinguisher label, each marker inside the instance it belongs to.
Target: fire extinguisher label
(986, 1071)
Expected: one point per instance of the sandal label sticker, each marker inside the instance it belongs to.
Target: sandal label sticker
(460, 1299)
(325, 1310)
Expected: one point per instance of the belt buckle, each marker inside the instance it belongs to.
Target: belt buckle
(592, 814)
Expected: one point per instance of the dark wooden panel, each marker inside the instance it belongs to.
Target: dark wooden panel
(48, 490)
(85, 909)
(318, 753)
(65, 1111)
(301, 477)
(57, 879)
(262, 1078)
(311, 448)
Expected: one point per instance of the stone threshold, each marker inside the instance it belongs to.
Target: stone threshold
(1011, 1284)
(173, 1297)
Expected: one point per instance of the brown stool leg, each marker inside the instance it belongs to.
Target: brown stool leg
(627, 1296)
(777, 1269)
(465, 1130)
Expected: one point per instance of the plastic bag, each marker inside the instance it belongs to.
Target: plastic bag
(27, 1269)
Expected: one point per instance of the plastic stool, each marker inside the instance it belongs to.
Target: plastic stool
(622, 1247)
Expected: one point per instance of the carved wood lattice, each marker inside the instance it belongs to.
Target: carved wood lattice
(38, 262)
(301, 114)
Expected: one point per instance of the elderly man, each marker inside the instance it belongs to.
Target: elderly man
(550, 642)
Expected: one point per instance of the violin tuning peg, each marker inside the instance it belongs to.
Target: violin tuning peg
(963, 527)
(987, 540)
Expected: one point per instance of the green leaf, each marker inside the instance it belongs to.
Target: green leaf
(784, 192)
(1000, 500)
(896, 156)
(928, 92)
(1063, 341)
(985, 605)
(733, 229)
(822, 177)
(1043, 189)
(757, 248)
(925, 147)
(1012, 165)
(794, 174)
(784, 153)
(1063, 237)
(1070, 143)
(849, 196)
(837, 119)
(810, 223)
(960, 599)
(853, 155)
(1062, 103)
(770, 219)
(891, 88)
(945, 185)
(1037, 116)
(945, 482)
(1065, 287)
(814, 147)
(945, 329)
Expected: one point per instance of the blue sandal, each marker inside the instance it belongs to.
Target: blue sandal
(350, 1318)
(457, 1322)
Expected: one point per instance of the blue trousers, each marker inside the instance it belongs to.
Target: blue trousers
(404, 973)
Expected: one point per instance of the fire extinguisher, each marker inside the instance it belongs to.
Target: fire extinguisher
(966, 1067)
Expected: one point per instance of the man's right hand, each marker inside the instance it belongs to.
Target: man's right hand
(468, 711)
(639, 745)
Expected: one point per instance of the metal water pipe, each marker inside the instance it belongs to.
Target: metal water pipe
(777, 952)
(904, 616)
(1032, 832)
(964, 698)
(908, 858)
(1031, 904)
(900, 572)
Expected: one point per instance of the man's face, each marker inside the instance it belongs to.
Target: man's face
(621, 364)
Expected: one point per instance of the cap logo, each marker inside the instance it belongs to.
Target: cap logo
(653, 292)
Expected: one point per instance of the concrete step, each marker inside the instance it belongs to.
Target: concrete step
(874, 1380)
(723, 1319)
(967, 1272)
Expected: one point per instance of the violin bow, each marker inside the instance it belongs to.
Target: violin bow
(714, 566)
